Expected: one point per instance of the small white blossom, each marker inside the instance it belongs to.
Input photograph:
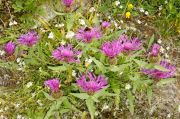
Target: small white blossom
(117, 3)
(97, 15)
(59, 25)
(19, 116)
(128, 86)
(11, 23)
(169, 115)
(63, 42)
(120, 6)
(105, 107)
(179, 108)
(122, 21)
(33, 94)
(51, 35)
(162, 49)
(74, 73)
(6, 108)
(138, 21)
(141, 9)
(1, 110)
(92, 9)
(109, 17)
(146, 13)
(18, 60)
(70, 35)
(165, 1)
(39, 102)
(168, 48)
(88, 60)
(17, 105)
(166, 55)
(29, 84)
(119, 27)
(160, 8)
(82, 22)
(159, 41)
(2, 52)
(42, 30)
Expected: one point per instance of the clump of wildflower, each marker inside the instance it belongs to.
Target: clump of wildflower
(105, 24)
(28, 39)
(129, 44)
(130, 6)
(87, 34)
(155, 50)
(158, 74)
(91, 83)
(9, 48)
(67, 3)
(128, 15)
(112, 49)
(53, 85)
(66, 53)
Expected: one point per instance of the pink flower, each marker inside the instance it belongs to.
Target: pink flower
(155, 50)
(112, 49)
(67, 3)
(88, 34)
(157, 74)
(66, 53)
(105, 24)
(53, 84)
(129, 44)
(9, 48)
(28, 39)
(91, 83)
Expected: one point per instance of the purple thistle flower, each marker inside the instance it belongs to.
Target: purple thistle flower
(67, 3)
(157, 74)
(129, 44)
(105, 24)
(87, 34)
(28, 39)
(91, 83)
(53, 84)
(112, 49)
(9, 48)
(155, 50)
(66, 53)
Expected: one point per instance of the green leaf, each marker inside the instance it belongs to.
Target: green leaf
(161, 68)
(91, 107)
(149, 94)
(58, 68)
(140, 63)
(165, 81)
(48, 96)
(99, 65)
(131, 102)
(80, 95)
(150, 42)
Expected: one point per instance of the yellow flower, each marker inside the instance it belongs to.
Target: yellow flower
(130, 6)
(128, 15)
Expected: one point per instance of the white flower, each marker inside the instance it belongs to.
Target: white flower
(159, 41)
(88, 60)
(29, 84)
(166, 55)
(39, 102)
(17, 105)
(92, 9)
(1, 110)
(11, 23)
(51, 35)
(115, 24)
(19, 116)
(160, 7)
(109, 17)
(167, 48)
(82, 22)
(63, 42)
(128, 86)
(97, 15)
(59, 25)
(169, 115)
(105, 107)
(165, 1)
(33, 94)
(74, 73)
(162, 49)
(120, 6)
(6, 108)
(119, 27)
(18, 60)
(138, 21)
(141, 9)
(70, 35)
(146, 13)
(117, 3)
(42, 30)
(2, 52)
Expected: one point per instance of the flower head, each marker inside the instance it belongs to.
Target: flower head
(105, 24)
(9, 48)
(66, 53)
(130, 6)
(53, 84)
(91, 83)
(28, 39)
(155, 50)
(67, 3)
(128, 15)
(87, 34)
(158, 74)
(112, 49)
(129, 44)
